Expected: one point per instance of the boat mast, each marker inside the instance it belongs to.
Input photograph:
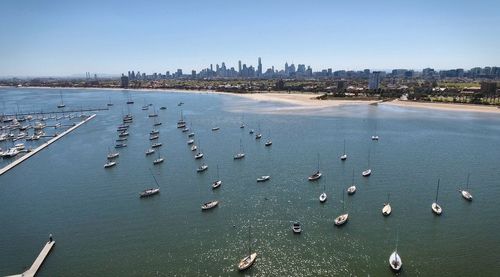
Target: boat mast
(154, 177)
(218, 172)
(437, 191)
(353, 176)
(343, 201)
(344, 146)
(249, 240)
(318, 162)
(467, 186)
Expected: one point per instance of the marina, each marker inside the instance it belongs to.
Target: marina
(72, 194)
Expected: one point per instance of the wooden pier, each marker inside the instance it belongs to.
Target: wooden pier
(31, 272)
(41, 147)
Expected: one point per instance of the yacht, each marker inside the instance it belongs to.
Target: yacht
(109, 164)
(263, 178)
(436, 208)
(154, 132)
(112, 155)
(154, 137)
(149, 192)
(156, 144)
(344, 156)
(395, 261)
(198, 155)
(120, 145)
(61, 104)
(368, 171)
(248, 260)
(209, 205)
(202, 168)
(465, 193)
(342, 219)
(217, 183)
(190, 141)
(158, 160)
(194, 147)
(241, 154)
(150, 151)
(386, 210)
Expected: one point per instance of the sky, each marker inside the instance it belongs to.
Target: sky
(71, 37)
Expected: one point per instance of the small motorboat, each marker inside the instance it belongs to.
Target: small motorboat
(263, 178)
(149, 192)
(296, 228)
(209, 205)
(202, 168)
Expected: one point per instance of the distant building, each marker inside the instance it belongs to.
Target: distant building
(259, 68)
(489, 87)
(124, 81)
(193, 74)
(374, 82)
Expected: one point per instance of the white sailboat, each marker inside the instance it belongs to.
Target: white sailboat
(316, 175)
(465, 193)
(209, 205)
(241, 154)
(296, 228)
(269, 142)
(150, 151)
(61, 104)
(395, 261)
(352, 189)
(341, 219)
(386, 210)
(436, 208)
(375, 136)
(263, 178)
(218, 182)
(344, 156)
(248, 260)
(150, 191)
(159, 159)
(112, 155)
(109, 164)
(202, 168)
(368, 171)
(199, 154)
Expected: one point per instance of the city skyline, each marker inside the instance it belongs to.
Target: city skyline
(57, 38)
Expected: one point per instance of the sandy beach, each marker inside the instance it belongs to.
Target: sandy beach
(445, 106)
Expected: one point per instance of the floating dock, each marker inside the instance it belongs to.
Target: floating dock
(39, 148)
(31, 272)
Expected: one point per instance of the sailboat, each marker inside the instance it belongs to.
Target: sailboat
(269, 142)
(112, 155)
(395, 261)
(202, 168)
(159, 159)
(263, 178)
(316, 175)
(209, 205)
(150, 191)
(194, 147)
(241, 154)
(323, 197)
(109, 164)
(344, 156)
(248, 261)
(341, 219)
(156, 122)
(150, 151)
(465, 193)
(217, 183)
(352, 189)
(368, 171)
(190, 135)
(154, 114)
(436, 208)
(386, 210)
(258, 135)
(109, 102)
(375, 136)
(198, 154)
(181, 123)
(61, 105)
(129, 101)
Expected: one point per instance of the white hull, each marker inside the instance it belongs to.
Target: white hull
(315, 176)
(209, 205)
(341, 219)
(395, 261)
(386, 210)
(466, 195)
(263, 178)
(216, 184)
(323, 197)
(367, 173)
(343, 157)
(436, 208)
(351, 190)
(247, 262)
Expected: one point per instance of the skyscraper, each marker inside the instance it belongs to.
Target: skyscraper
(374, 82)
(239, 67)
(259, 68)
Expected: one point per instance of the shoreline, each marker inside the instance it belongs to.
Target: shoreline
(306, 100)
(444, 106)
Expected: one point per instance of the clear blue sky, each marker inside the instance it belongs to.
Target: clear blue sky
(71, 37)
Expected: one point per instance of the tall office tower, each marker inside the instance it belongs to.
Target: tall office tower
(259, 68)
(239, 67)
(374, 82)
(286, 69)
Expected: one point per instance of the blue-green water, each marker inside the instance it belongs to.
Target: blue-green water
(102, 228)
